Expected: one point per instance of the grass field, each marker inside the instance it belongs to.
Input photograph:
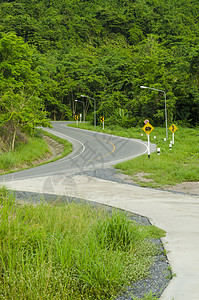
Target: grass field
(32, 153)
(70, 251)
(180, 164)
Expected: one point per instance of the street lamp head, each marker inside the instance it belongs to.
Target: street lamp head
(83, 96)
(143, 87)
(76, 100)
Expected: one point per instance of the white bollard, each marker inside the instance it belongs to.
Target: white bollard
(170, 146)
(158, 151)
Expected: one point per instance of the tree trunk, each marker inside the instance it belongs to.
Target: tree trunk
(13, 139)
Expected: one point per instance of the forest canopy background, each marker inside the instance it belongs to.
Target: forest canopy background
(52, 52)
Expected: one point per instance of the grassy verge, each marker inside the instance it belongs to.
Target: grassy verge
(70, 251)
(67, 147)
(29, 154)
(181, 164)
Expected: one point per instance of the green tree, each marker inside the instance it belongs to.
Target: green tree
(20, 104)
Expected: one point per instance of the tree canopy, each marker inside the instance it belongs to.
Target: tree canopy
(104, 49)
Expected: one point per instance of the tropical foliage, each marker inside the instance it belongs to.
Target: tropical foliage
(53, 51)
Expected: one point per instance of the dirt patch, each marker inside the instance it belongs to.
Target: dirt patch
(141, 176)
(55, 148)
(184, 187)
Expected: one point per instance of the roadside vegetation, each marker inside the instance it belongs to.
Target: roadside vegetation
(34, 151)
(180, 164)
(70, 251)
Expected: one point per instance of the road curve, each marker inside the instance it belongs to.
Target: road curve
(176, 213)
(91, 150)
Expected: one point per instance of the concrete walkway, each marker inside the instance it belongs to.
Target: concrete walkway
(177, 214)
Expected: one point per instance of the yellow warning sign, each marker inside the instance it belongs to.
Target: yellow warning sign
(173, 128)
(148, 128)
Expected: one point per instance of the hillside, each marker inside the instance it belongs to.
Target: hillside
(104, 49)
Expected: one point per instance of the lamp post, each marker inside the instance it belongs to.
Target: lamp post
(165, 103)
(94, 107)
(83, 107)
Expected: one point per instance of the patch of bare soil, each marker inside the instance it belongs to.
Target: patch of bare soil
(184, 187)
(139, 177)
(55, 148)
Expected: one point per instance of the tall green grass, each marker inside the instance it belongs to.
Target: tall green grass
(32, 153)
(24, 154)
(70, 251)
(181, 164)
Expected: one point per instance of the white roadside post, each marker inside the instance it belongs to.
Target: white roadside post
(149, 152)
(102, 120)
(83, 110)
(80, 116)
(148, 128)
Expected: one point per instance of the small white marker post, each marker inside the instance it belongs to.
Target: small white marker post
(102, 120)
(80, 116)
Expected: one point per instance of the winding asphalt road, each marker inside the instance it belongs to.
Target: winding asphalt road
(91, 150)
(176, 213)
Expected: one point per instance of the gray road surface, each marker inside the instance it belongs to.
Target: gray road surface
(91, 150)
(176, 213)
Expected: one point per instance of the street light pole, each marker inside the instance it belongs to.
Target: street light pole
(94, 107)
(83, 107)
(165, 103)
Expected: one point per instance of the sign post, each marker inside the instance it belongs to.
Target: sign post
(148, 128)
(102, 120)
(173, 128)
(76, 118)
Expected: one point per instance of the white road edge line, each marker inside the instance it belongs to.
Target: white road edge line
(61, 135)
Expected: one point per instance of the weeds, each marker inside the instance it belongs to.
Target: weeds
(171, 167)
(24, 154)
(70, 251)
(31, 153)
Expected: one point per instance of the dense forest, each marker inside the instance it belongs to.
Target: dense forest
(52, 52)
